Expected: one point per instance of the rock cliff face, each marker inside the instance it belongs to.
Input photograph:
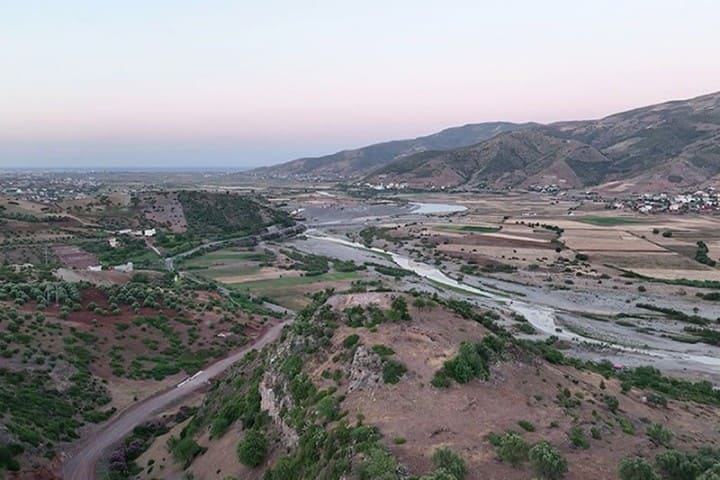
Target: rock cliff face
(274, 399)
(365, 370)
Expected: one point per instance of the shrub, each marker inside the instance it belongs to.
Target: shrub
(440, 380)
(712, 473)
(636, 468)
(439, 475)
(657, 400)
(675, 465)
(527, 426)
(547, 461)
(447, 460)
(383, 350)
(252, 449)
(378, 465)
(658, 434)
(184, 450)
(577, 438)
(393, 371)
(626, 426)
(512, 448)
(328, 408)
(612, 403)
(351, 340)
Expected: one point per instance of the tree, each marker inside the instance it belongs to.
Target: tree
(675, 465)
(252, 449)
(547, 461)
(446, 459)
(713, 473)
(636, 468)
(513, 449)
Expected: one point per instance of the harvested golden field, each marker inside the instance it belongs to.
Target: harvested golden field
(598, 239)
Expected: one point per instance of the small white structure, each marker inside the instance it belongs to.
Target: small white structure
(150, 232)
(94, 268)
(126, 231)
(113, 242)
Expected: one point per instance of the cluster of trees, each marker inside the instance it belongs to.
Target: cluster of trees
(703, 464)
(701, 254)
(547, 461)
(222, 214)
(43, 293)
(472, 361)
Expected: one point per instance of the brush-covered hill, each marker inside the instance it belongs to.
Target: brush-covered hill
(665, 146)
(386, 385)
(358, 162)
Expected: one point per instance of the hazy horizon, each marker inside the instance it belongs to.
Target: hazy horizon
(225, 85)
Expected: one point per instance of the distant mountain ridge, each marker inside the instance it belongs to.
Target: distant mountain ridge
(668, 146)
(361, 161)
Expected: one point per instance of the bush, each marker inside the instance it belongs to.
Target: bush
(636, 468)
(449, 461)
(328, 408)
(378, 465)
(252, 449)
(512, 448)
(547, 461)
(351, 340)
(675, 465)
(440, 380)
(393, 371)
(382, 350)
(184, 450)
(712, 473)
(612, 403)
(577, 438)
(527, 426)
(657, 400)
(658, 434)
(439, 475)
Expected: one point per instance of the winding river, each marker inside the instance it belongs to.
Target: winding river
(542, 318)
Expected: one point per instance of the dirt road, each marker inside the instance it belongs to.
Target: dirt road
(81, 466)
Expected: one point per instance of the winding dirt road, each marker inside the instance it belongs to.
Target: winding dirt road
(81, 466)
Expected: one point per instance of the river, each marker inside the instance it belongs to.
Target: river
(541, 317)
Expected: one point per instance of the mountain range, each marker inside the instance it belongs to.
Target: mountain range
(673, 145)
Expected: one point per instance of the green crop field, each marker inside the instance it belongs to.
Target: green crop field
(608, 221)
(469, 228)
(290, 291)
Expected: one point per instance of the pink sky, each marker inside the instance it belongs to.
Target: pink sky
(275, 81)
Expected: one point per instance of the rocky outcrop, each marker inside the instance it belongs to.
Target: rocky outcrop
(365, 369)
(274, 399)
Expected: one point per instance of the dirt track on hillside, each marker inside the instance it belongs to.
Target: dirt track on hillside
(81, 465)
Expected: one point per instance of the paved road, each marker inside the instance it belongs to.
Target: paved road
(81, 466)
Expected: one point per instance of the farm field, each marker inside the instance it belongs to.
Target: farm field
(292, 292)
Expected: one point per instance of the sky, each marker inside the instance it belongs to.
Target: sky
(188, 83)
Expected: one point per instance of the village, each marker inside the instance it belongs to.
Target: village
(700, 201)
